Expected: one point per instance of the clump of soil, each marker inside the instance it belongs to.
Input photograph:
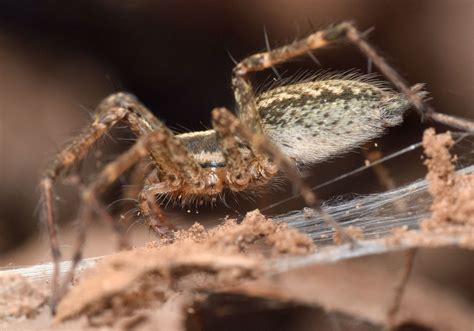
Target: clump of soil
(452, 209)
(453, 193)
(198, 259)
(231, 237)
(19, 297)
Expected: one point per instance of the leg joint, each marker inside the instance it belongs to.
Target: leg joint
(118, 100)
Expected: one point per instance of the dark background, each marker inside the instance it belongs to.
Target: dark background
(58, 59)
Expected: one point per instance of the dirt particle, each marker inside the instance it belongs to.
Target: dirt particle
(289, 241)
(396, 234)
(308, 213)
(352, 231)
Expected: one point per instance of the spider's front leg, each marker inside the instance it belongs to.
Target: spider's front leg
(241, 169)
(117, 107)
(107, 114)
(90, 202)
(168, 153)
(227, 127)
(252, 130)
(243, 91)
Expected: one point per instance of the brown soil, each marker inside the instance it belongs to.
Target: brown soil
(453, 193)
(198, 259)
(453, 199)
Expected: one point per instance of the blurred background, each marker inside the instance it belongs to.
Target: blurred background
(59, 59)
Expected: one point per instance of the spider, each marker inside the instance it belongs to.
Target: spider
(300, 123)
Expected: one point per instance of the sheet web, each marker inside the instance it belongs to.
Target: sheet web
(377, 214)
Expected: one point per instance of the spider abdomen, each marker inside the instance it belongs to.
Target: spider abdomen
(314, 121)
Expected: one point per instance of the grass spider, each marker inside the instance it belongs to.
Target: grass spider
(276, 130)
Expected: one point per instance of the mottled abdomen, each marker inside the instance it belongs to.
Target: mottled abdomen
(314, 121)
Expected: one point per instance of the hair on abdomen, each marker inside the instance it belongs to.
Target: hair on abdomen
(315, 120)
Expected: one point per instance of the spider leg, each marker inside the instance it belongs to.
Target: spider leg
(160, 142)
(357, 38)
(169, 151)
(245, 97)
(117, 107)
(386, 179)
(151, 212)
(236, 164)
(90, 203)
(243, 91)
(141, 178)
(137, 178)
(226, 124)
(75, 151)
(101, 210)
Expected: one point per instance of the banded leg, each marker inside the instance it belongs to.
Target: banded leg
(386, 179)
(137, 179)
(236, 164)
(245, 97)
(90, 203)
(106, 118)
(243, 91)
(101, 210)
(117, 107)
(263, 145)
(161, 143)
(164, 147)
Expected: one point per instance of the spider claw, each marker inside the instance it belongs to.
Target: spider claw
(163, 232)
